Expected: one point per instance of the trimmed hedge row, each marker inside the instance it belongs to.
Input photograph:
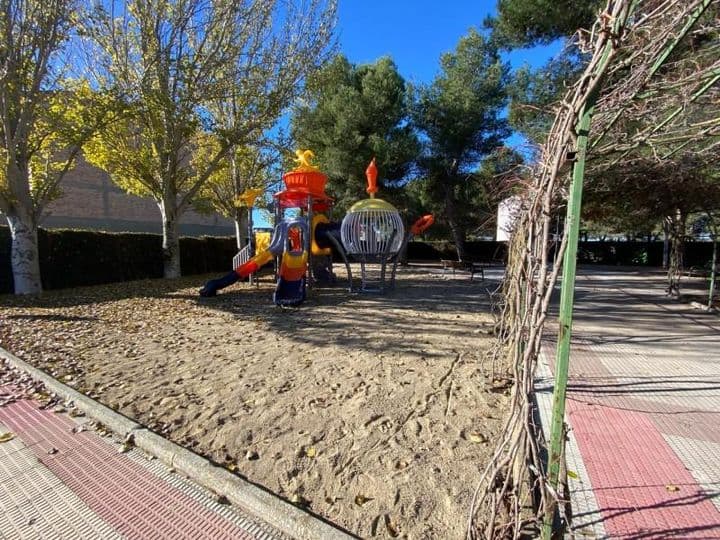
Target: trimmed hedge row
(481, 251)
(72, 258)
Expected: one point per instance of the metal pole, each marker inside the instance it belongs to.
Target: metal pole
(572, 222)
(251, 243)
(307, 241)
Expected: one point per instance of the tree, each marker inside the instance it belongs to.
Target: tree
(534, 94)
(459, 117)
(246, 167)
(188, 69)
(44, 120)
(522, 23)
(646, 193)
(352, 114)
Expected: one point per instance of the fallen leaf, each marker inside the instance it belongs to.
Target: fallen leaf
(124, 447)
(672, 488)
(299, 500)
(6, 437)
(310, 452)
(572, 474)
(477, 437)
(361, 500)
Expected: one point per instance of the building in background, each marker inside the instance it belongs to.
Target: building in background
(507, 214)
(91, 201)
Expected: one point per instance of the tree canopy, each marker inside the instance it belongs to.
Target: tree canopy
(523, 23)
(458, 115)
(351, 114)
(200, 77)
(44, 119)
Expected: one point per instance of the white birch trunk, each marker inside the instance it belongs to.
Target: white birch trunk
(24, 259)
(171, 240)
(241, 228)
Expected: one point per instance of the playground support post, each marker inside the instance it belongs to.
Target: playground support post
(567, 293)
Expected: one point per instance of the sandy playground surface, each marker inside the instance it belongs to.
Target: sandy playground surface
(375, 412)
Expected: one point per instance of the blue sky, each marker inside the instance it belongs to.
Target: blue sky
(416, 32)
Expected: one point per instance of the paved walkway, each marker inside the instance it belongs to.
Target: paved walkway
(62, 482)
(643, 408)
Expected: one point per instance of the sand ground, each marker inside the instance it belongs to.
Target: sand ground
(375, 412)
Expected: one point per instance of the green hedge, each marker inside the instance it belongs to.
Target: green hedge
(480, 251)
(72, 258)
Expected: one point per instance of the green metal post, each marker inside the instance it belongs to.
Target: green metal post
(711, 292)
(572, 222)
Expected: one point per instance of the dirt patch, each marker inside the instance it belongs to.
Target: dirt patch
(375, 412)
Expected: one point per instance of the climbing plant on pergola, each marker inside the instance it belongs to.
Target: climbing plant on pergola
(649, 92)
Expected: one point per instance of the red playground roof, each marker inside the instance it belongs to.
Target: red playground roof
(299, 199)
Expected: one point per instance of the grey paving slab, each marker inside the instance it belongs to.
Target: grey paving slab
(701, 459)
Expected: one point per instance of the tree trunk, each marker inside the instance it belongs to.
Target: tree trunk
(666, 243)
(713, 272)
(25, 259)
(171, 240)
(677, 248)
(459, 238)
(238, 232)
(458, 231)
(241, 227)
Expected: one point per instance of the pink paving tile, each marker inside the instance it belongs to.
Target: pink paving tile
(124, 494)
(631, 465)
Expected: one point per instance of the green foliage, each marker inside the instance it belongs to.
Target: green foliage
(44, 117)
(634, 197)
(459, 116)
(522, 23)
(245, 168)
(200, 78)
(535, 94)
(352, 114)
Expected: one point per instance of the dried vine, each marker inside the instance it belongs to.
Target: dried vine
(626, 70)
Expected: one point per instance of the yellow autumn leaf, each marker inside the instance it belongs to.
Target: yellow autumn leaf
(672, 488)
(310, 452)
(6, 437)
(572, 474)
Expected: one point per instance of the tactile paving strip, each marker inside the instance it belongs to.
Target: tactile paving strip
(631, 467)
(586, 518)
(37, 505)
(127, 496)
(258, 528)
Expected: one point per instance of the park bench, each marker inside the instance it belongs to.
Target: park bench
(469, 266)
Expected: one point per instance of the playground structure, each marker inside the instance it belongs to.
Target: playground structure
(373, 233)
(302, 246)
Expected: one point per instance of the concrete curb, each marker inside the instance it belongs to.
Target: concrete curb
(278, 513)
